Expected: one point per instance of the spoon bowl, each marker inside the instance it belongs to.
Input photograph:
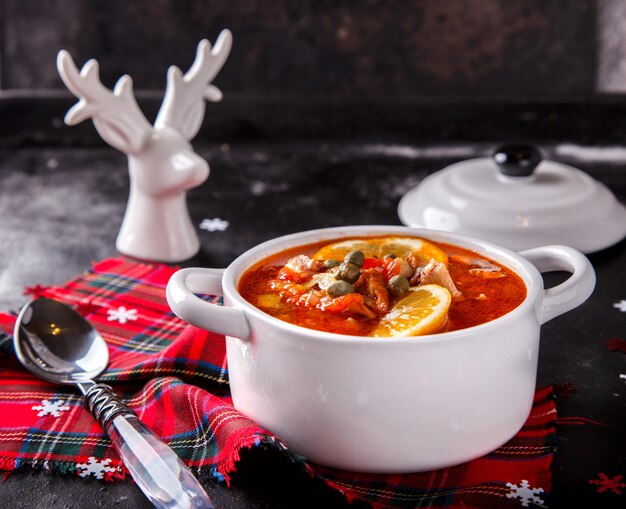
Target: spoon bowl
(57, 344)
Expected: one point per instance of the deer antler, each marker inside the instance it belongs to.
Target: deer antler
(183, 105)
(116, 115)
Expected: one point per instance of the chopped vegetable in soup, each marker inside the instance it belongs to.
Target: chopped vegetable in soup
(382, 286)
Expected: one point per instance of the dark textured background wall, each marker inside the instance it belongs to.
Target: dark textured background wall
(302, 48)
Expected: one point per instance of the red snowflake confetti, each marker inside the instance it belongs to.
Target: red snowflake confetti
(609, 483)
(616, 345)
(563, 391)
(36, 291)
(85, 308)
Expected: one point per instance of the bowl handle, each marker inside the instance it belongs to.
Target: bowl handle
(181, 298)
(574, 290)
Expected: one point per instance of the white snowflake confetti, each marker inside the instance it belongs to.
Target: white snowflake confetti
(621, 305)
(95, 467)
(121, 314)
(213, 225)
(525, 493)
(623, 376)
(53, 408)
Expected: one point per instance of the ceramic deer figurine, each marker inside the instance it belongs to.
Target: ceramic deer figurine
(161, 162)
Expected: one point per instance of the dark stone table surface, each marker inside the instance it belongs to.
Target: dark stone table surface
(61, 207)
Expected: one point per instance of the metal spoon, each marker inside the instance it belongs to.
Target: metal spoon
(57, 344)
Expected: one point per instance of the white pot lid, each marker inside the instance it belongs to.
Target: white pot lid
(554, 204)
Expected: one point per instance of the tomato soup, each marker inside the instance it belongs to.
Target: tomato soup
(385, 286)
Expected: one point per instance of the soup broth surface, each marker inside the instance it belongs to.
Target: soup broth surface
(481, 289)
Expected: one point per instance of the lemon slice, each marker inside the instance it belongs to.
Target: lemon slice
(381, 246)
(422, 311)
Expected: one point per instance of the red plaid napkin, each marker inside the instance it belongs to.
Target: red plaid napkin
(175, 377)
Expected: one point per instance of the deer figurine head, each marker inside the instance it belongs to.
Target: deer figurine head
(161, 162)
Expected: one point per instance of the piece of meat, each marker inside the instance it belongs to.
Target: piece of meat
(437, 273)
(300, 268)
(416, 261)
(372, 285)
(480, 267)
(299, 264)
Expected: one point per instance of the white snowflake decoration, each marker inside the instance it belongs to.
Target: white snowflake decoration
(213, 225)
(621, 305)
(49, 407)
(623, 376)
(121, 314)
(95, 467)
(525, 493)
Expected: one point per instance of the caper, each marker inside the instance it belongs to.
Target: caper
(398, 285)
(356, 257)
(329, 264)
(390, 255)
(348, 272)
(339, 288)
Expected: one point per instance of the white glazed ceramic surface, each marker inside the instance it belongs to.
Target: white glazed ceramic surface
(384, 404)
(161, 162)
(557, 205)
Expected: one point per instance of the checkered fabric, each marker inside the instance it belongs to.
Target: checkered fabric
(175, 377)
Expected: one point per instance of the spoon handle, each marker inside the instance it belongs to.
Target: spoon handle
(156, 468)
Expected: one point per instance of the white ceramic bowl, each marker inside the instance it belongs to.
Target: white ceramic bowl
(385, 405)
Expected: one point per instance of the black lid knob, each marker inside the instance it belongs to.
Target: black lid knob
(517, 159)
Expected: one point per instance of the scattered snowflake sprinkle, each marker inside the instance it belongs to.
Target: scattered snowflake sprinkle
(605, 482)
(121, 314)
(621, 305)
(616, 345)
(525, 493)
(213, 225)
(49, 407)
(623, 376)
(95, 467)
